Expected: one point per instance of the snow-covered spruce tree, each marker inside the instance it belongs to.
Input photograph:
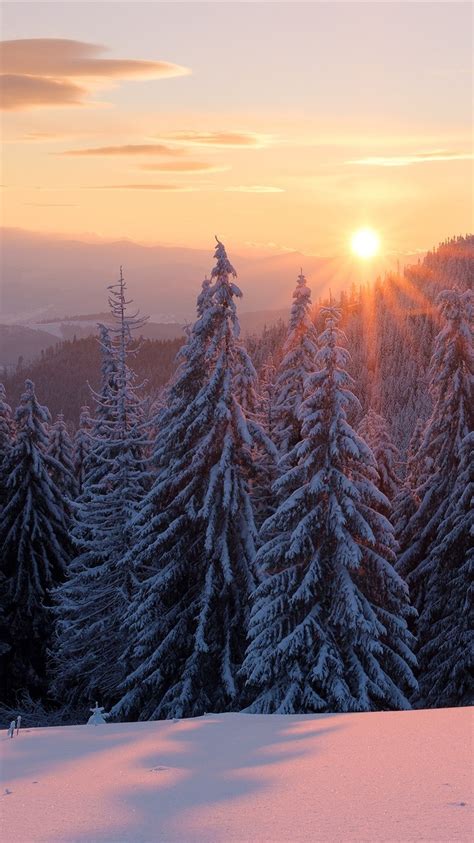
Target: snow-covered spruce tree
(451, 377)
(7, 429)
(406, 502)
(299, 353)
(195, 529)
(82, 446)
(328, 627)
(105, 399)
(264, 452)
(374, 430)
(35, 548)
(61, 450)
(92, 603)
(446, 624)
(266, 458)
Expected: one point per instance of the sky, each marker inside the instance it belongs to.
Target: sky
(277, 126)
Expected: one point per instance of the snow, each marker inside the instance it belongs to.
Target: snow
(241, 778)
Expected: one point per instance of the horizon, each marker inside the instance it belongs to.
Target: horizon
(295, 144)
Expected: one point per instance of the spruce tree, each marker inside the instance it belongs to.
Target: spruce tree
(299, 353)
(451, 376)
(60, 450)
(35, 548)
(7, 430)
(328, 627)
(439, 584)
(374, 430)
(92, 603)
(196, 534)
(82, 446)
(406, 502)
(446, 625)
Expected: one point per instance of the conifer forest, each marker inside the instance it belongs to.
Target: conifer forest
(279, 522)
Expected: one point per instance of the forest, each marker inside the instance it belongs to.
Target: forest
(278, 522)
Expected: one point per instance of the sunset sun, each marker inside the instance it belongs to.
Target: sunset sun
(365, 243)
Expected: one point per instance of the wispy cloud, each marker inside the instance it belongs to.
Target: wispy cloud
(167, 188)
(125, 149)
(415, 158)
(51, 204)
(184, 167)
(38, 71)
(228, 139)
(254, 188)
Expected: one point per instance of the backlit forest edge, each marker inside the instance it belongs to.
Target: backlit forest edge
(275, 523)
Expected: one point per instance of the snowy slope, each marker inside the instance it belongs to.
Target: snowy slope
(398, 776)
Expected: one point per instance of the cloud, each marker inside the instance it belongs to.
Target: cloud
(169, 188)
(19, 92)
(184, 167)
(254, 188)
(407, 160)
(63, 57)
(51, 204)
(125, 149)
(41, 137)
(38, 71)
(228, 139)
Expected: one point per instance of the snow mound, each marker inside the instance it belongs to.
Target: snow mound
(391, 776)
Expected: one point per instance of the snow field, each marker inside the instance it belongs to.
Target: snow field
(239, 778)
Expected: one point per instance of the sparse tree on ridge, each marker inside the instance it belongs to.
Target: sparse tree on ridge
(195, 531)
(328, 627)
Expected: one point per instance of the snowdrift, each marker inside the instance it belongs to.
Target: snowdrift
(391, 776)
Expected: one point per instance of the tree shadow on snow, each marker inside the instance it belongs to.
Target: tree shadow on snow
(204, 762)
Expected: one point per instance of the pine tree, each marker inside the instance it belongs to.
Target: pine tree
(374, 430)
(82, 446)
(446, 626)
(299, 353)
(328, 627)
(35, 548)
(92, 603)
(61, 451)
(195, 530)
(451, 375)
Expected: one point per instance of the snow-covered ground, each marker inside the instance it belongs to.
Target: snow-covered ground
(398, 776)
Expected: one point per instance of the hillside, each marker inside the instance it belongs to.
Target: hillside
(361, 778)
(63, 372)
(18, 340)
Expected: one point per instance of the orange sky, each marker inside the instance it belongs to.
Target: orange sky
(281, 126)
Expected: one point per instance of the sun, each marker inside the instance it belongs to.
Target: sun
(365, 243)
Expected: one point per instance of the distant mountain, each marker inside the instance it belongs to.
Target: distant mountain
(28, 341)
(62, 276)
(17, 341)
